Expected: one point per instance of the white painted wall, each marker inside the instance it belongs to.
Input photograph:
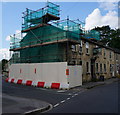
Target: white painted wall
(75, 76)
(48, 73)
(45, 72)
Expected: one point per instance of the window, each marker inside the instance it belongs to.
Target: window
(110, 55)
(96, 67)
(81, 43)
(104, 67)
(100, 67)
(80, 49)
(73, 47)
(87, 65)
(87, 50)
(80, 62)
(96, 46)
(116, 57)
(110, 67)
(87, 45)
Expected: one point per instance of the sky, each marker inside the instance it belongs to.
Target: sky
(92, 13)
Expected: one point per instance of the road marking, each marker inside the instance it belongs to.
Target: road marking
(62, 101)
(75, 94)
(60, 91)
(68, 98)
(56, 105)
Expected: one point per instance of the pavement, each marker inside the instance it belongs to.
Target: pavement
(23, 105)
(32, 106)
(90, 85)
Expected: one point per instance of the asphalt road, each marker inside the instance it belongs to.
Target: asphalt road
(14, 94)
(101, 99)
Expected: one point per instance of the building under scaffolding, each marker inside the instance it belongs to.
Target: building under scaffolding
(41, 54)
(44, 38)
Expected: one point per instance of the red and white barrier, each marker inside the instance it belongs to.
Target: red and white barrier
(48, 75)
(39, 84)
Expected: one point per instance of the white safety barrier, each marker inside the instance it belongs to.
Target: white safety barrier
(50, 75)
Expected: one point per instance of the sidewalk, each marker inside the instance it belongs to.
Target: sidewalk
(22, 106)
(90, 85)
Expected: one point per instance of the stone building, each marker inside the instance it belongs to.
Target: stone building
(96, 59)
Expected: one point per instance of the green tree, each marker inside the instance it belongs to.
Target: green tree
(109, 37)
(4, 62)
(115, 39)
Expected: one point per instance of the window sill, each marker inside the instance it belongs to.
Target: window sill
(80, 53)
(97, 73)
(88, 73)
(74, 51)
(101, 72)
(87, 54)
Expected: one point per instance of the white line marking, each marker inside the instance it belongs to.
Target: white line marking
(68, 98)
(56, 105)
(75, 94)
(62, 101)
(60, 91)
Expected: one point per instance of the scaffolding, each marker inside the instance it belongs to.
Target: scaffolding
(45, 38)
(45, 44)
(33, 18)
(92, 34)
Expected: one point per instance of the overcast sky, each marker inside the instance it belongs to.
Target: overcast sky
(92, 13)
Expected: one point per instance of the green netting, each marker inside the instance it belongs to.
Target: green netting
(45, 34)
(60, 30)
(49, 53)
(92, 34)
(68, 25)
(52, 9)
(42, 35)
(15, 40)
(32, 18)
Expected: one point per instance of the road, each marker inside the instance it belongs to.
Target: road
(101, 99)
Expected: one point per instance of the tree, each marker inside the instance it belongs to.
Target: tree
(4, 62)
(109, 37)
(115, 39)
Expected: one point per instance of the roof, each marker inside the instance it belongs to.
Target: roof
(96, 42)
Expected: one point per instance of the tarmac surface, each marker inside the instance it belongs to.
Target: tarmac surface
(22, 99)
(22, 105)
